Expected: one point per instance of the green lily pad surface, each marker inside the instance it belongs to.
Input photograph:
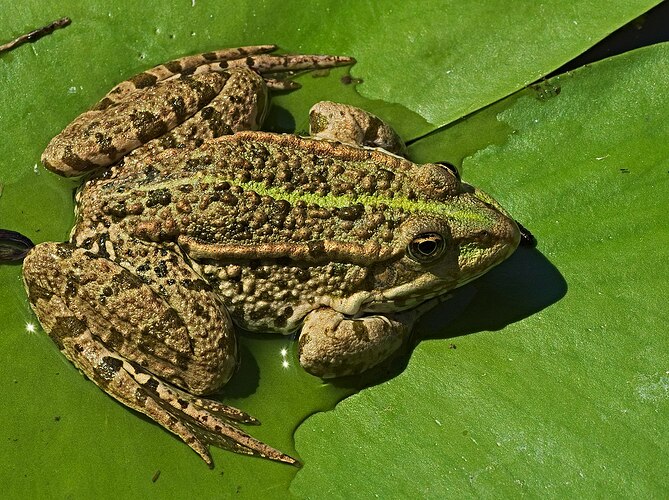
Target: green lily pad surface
(549, 376)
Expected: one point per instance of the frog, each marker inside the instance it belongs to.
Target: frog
(192, 223)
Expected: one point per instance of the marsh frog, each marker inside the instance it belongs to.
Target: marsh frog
(191, 222)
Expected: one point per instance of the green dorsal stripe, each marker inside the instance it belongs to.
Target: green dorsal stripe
(442, 209)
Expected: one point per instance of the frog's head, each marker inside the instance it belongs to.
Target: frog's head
(455, 234)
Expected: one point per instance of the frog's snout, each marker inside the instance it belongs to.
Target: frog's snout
(499, 231)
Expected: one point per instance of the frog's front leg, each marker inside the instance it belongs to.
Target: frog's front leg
(351, 125)
(138, 338)
(332, 345)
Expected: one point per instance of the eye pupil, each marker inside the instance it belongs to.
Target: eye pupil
(426, 247)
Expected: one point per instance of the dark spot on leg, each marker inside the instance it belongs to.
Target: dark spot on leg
(160, 269)
(114, 339)
(141, 396)
(108, 368)
(74, 161)
(214, 118)
(179, 108)
(182, 361)
(204, 92)
(148, 126)
(103, 104)
(168, 141)
(125, 281)
(174, 67)
(196, 285)
(36, 292)
(66, 327)
(143, 268)
(144, 80)
(151, 384)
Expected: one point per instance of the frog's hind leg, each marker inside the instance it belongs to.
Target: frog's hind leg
(182, 66)
(198, 422)
(351, 125)
(151, 104)
(243, 101)
(241, 104)
(256, 57)
(101, 137)
(94, 310)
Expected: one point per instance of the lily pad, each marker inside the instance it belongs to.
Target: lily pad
(541, 386)
(61, 434)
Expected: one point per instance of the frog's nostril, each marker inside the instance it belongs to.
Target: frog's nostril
(483, 237)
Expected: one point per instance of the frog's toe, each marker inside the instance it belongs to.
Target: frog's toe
(275, 63)
(198, 422)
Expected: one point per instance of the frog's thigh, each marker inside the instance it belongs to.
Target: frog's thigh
(332, 345)
(184, 337)
(348, 124)
(240, 105)
(100, 137)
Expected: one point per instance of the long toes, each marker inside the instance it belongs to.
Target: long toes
(265, 63)
(202, 422)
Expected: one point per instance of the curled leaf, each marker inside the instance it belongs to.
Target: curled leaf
(13, 246)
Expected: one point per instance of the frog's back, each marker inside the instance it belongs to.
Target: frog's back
(268, 191)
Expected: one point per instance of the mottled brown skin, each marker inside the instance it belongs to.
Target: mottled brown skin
(191, 222)
(228, 206)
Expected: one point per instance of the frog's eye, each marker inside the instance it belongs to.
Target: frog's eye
(426, 247)
(450, 167)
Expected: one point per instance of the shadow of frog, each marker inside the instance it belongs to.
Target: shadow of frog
(523, 285)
